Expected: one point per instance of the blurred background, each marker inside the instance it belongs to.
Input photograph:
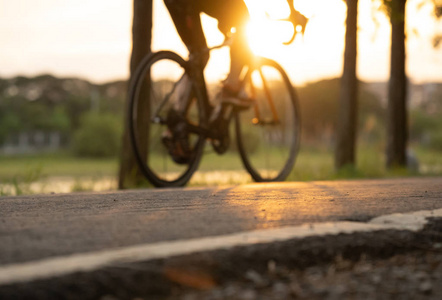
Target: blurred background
(64, 66)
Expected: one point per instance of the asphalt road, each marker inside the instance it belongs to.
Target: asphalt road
(42, 226)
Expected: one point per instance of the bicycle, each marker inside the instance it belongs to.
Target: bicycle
(267, 131)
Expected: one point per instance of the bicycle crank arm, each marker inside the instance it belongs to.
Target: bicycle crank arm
(192, 128)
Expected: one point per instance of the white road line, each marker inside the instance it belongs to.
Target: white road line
(53, 267)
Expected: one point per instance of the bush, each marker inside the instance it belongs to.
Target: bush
(436, 140)
(99, 135)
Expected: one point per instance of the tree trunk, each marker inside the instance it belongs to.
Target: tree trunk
(347, 115)
(397, 132)
(129, 174)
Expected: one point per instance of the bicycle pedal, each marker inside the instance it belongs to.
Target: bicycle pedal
(237, 102)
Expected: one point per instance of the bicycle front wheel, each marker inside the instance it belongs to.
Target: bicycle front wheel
(268, 133)
(158, 87)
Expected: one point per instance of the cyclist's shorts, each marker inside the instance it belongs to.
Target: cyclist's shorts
(229, 13)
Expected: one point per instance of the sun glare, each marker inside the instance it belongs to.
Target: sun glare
(265, 31)
(268, 28)
(320, 47)
(265, 36)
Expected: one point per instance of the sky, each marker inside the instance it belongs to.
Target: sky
(92, 39)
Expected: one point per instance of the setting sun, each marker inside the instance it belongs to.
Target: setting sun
(267, 32)
(266, 36)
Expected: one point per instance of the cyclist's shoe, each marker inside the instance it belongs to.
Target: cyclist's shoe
(228, 96)
(178, 147)
(236, 97)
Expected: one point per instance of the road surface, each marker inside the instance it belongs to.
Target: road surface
(320, 240)
(43, 226)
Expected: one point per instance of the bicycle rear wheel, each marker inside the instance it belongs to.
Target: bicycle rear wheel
(268, 133)
(157, 88)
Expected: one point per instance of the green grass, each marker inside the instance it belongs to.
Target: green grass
(431, 160)
(55, 165)
(18, 174)
(313, 163)
(317, 163)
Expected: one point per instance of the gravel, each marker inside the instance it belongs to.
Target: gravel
(388, 264)
(415, 275)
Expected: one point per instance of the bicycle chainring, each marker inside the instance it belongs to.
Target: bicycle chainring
(176, 138)
(221, 140)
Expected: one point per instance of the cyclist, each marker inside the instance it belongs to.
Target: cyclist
(231, 14)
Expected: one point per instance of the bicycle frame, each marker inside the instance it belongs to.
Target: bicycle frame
(200, 85)
(198, 81)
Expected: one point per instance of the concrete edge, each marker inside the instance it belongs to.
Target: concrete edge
(64, 265)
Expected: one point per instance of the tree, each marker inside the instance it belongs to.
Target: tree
(397, 128)
(397, 125)
(129, 174)
(347, 111)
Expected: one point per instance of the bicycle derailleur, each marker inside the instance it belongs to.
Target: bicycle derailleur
(176, 138)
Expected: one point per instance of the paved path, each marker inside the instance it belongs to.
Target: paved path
(44, 226)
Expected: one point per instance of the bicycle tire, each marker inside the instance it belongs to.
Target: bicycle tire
(257, 133)
(149, 88)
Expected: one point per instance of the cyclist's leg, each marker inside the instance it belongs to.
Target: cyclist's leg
(231, 14)
(186, 18)
(239, 57)
(188, 24)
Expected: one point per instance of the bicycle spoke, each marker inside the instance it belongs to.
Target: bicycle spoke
(268, 96)
(268, 135)
(167, 97)
(161, 75)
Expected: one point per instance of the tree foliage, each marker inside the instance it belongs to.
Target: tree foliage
(319, 106)
(48, 104)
